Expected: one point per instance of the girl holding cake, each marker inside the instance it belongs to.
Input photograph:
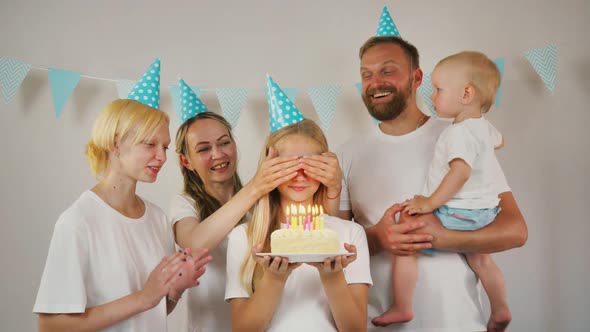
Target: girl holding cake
(273, 294)
(214, 201)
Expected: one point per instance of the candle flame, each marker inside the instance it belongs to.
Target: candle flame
(321, 210)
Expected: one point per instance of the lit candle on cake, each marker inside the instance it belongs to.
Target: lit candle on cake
(287, 221)
(314, 213)
(309, 217)
(321, 218)
(293, 217)
(301, 214)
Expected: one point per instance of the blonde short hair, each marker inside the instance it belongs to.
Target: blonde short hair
(119, 120)
(481, 72)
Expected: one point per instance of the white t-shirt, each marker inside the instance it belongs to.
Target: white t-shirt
(207, 310)
(380, 170)
(474, 141)
(97, 255)
(304, 305)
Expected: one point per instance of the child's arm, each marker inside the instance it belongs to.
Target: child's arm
(348, 303)
(255, 313)
(450, 185)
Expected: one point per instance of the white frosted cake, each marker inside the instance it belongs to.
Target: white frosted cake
(298, 241)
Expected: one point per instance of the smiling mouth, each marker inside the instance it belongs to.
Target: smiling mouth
(155, 168)
(380, 94)
(220, 166)
(298, 188)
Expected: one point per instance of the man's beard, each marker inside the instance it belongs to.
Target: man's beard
(392, 109)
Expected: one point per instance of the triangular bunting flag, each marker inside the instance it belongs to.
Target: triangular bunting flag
(12, 74)
(544, 60)
(282, 112)
(425, 91)
(359, 88)
(386, 26)
(500, 64)
(175, 93)
(324, 102)
(291, 93)
(124, 87)
(232, 101)
(62, 84)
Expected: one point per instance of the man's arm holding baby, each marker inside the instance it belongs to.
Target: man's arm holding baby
(414, 233)
(507, 231)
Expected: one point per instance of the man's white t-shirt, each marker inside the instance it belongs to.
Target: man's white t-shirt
(380, 170)
(207, 309)
(97, 255)
(304, 305)
(473, 141)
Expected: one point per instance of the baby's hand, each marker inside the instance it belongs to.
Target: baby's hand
(418, 204)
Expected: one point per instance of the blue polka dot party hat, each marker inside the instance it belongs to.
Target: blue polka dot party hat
(190, 104)
(147, 90)
(282, 110)
(386, 26)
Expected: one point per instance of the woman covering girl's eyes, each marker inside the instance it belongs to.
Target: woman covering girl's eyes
(212, 203)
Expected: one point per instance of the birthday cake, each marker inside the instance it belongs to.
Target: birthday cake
(298, 241)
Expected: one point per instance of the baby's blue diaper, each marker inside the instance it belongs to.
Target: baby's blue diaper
(463, 219)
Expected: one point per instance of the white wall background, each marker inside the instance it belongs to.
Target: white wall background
(302, 44)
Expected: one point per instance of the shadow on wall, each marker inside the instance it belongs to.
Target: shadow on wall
(528, 75)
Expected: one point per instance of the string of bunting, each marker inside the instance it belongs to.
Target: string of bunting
(233, 99)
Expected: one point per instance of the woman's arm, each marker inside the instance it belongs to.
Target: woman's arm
(189, 232)
(507, 231)
(109, 314)
(96, 318)
(193, 268)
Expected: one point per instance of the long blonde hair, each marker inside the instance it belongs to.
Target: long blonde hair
(116, 122)
(205, 204)
(266, 213)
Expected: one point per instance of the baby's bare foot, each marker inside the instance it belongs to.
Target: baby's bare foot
(392, 316)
